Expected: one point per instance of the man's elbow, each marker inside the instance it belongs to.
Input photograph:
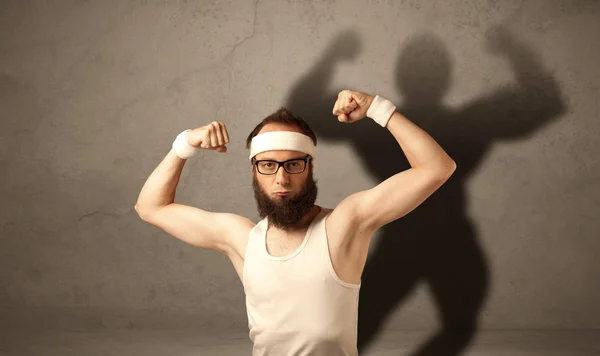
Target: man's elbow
(447, 170)
(137, 210)
(142, 213)
(451, 168)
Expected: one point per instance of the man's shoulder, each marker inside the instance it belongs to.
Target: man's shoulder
(325, 210)
(240, 229)
(240, 225)
(344, 214)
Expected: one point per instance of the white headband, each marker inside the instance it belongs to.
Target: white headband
(281, 140)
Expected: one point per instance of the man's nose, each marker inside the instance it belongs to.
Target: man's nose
(283, 177)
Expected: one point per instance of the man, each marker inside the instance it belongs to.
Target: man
(301, 264)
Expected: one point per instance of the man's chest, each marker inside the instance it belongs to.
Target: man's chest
(347, 250)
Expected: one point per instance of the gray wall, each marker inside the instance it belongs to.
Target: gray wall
(93, 93)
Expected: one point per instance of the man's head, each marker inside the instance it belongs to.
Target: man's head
(271, 177)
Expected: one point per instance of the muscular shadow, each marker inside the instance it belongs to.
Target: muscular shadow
(436, 244)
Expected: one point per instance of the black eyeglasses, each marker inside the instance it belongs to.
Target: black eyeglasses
(292, 166)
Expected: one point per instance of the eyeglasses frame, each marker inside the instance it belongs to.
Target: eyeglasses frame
(255, 162)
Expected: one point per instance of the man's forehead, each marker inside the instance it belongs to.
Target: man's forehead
(279, 155)
(279, 126)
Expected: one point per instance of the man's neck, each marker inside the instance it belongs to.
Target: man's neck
(301, 225)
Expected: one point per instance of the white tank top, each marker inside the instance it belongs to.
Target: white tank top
(296, 304)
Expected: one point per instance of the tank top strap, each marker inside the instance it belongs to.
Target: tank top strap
(253, 247)
(317, 244)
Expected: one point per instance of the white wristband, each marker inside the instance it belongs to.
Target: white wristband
(182, 148)
(381, 110)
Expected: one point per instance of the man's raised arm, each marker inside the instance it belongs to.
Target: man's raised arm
(195, 226)
(403, 192)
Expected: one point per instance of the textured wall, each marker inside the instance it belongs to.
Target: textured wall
(93, 93)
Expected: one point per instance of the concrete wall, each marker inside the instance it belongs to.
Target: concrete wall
(93, 93)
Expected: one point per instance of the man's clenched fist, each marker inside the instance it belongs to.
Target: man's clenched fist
(352, 106)
(213, 136)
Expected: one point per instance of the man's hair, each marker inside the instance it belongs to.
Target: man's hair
(283, 116)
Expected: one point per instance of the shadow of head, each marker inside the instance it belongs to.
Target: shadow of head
(423, 69)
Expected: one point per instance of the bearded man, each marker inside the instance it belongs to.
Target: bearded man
(301, 264)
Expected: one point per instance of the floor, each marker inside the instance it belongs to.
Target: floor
(187, 343)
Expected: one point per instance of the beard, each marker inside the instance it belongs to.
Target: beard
(285, 212)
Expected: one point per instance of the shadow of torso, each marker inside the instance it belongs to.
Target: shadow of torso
(435, 244)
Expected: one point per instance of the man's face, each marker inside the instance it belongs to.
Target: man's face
(284, 211)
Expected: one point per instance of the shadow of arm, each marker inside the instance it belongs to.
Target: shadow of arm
(311, 97)
(519, 109)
